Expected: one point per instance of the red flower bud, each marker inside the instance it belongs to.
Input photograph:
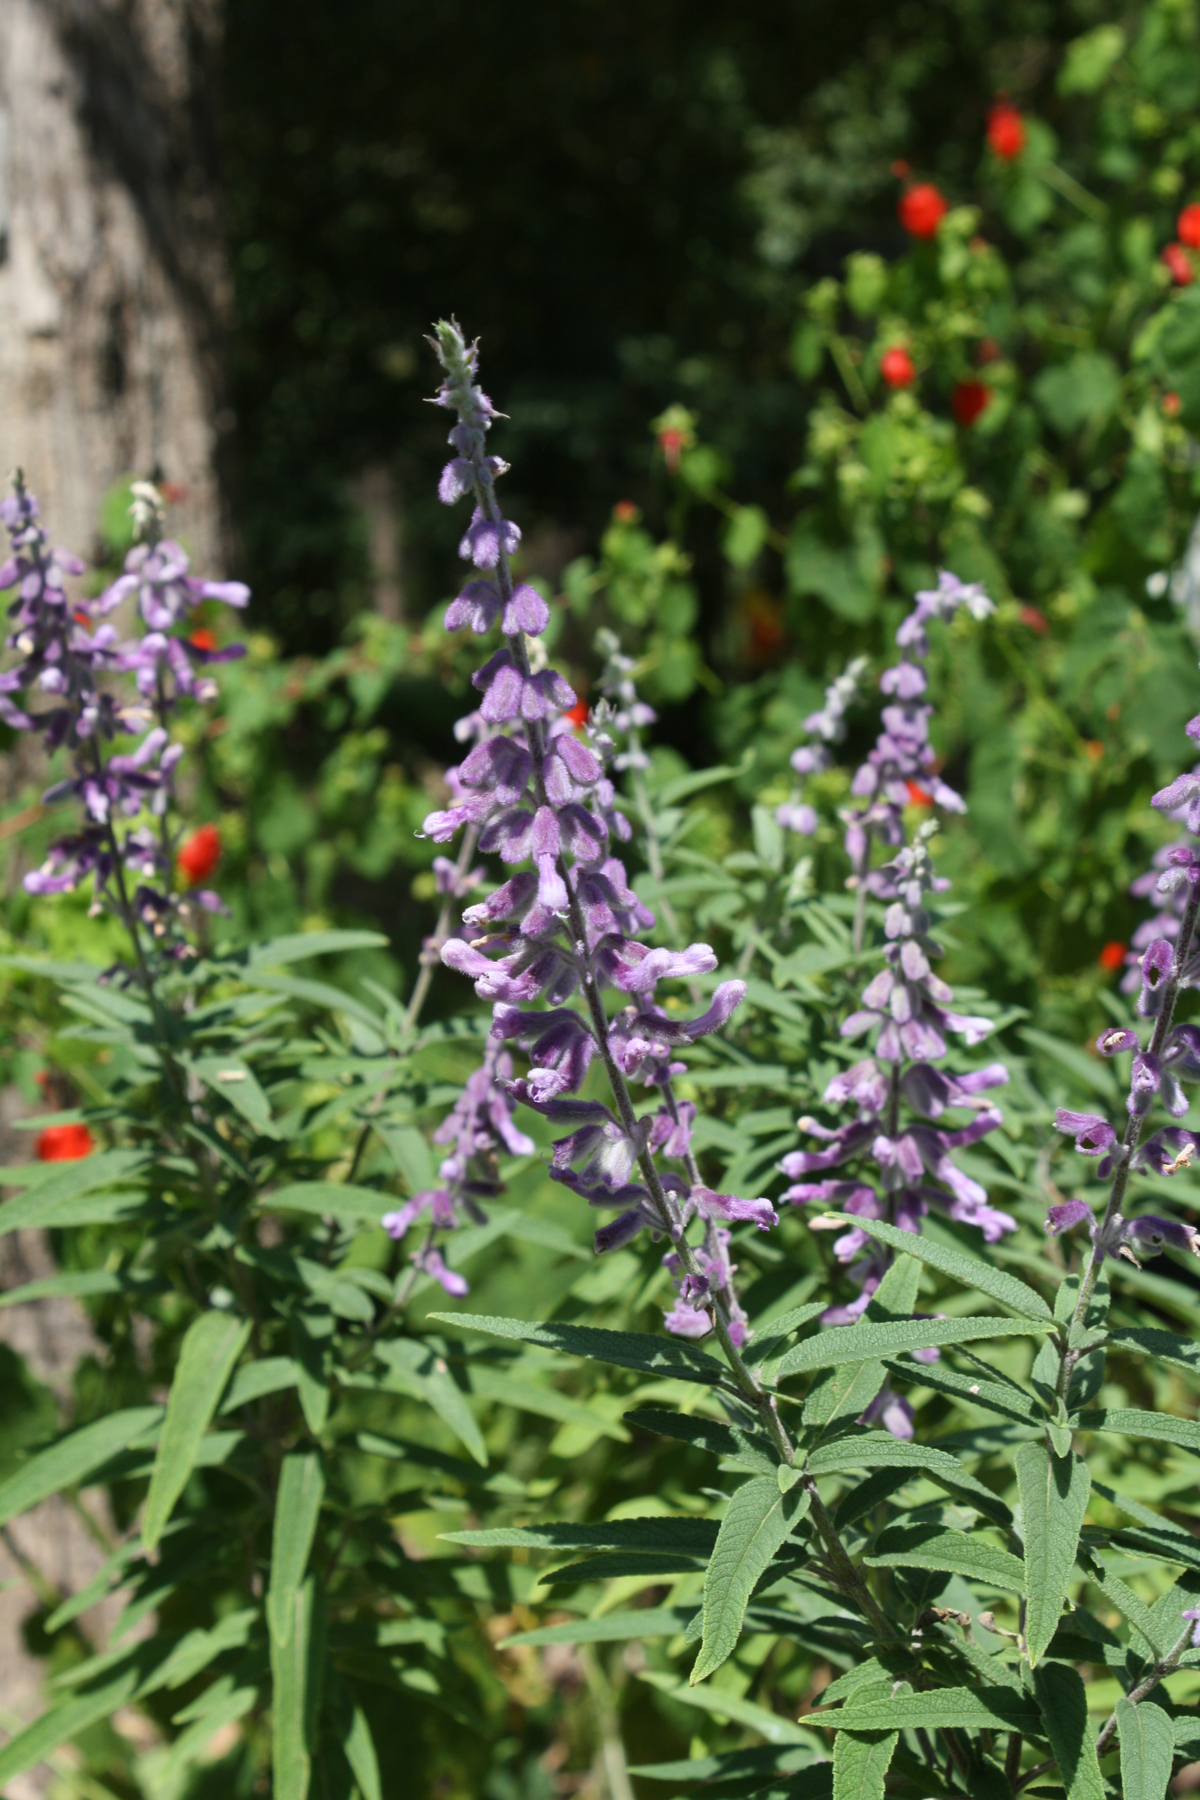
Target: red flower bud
(1180, 265)
(897, 367)
(969, 399)
(203, 639)
(1112, 956)
(199, 854)
(1188, 226)
(917, 795)
(922, 209)
(64, 1143)
(1006, 130)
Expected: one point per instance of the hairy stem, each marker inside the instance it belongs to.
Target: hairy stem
(847, 1574)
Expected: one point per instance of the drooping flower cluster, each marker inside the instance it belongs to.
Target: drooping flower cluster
(70, 653)
(553, 936)
(1169, 1057)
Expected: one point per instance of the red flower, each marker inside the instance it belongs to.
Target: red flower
(64, 1143)
(200, 854)
(1188, 226)
(917, 795)
(969, 399)
(1006, 130)
(625, 513)
(1180, 265)
(578, 715)
(203, 639)
(897, 367)
(1036, 621)
(1112, 956)
(922, 209)
(1172, 405)
(671, 442)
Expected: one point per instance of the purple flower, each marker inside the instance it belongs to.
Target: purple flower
(1067, 1215)
(1193, 1615)
(1151, 1235)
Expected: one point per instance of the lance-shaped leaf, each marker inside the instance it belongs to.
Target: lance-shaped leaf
(626, 1349)
(860, 1762)
(775, 1727)
(416, 1368)
(1054, 1496)
(233, 1704)
(69, 1718)
(691, 1537)
(354, 1735)
(56, 1194)
(925, 1546)
(296, 1674)
(992, 1396)
(959, 1708)
(527, 1396)
(333, 1199)
(1124, 1599)
(879, 1450)
(757, 1521)
(311, 1332)
(266, 1375)
(1132, 1422)
(969, 1270)
(297, 1504)
(731, 1442)
(857, 1343)
(1147, 1749)
(1063, 1701)
(75, 1458)
(744, 1766)
(1167, 1346)
(610, 1628)
(211, 1346)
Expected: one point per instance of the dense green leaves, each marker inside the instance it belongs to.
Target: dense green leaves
(1054, 1494)
(923, 1546)
(956, 1707)
(855, 1343)
(626, 1349)
(75, 1458)
(970, 1271)
(757, 1521)
(879, 1450)
(211, 1346)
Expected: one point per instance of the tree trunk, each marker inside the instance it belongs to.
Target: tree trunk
(112, 284)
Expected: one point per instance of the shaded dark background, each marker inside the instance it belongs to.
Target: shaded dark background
(624, 201)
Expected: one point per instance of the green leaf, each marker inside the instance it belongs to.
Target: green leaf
(1124, 1599)
(410, 1152)
(1165, 1345)
(232, 1705)
(644, 1622)
(842, 1392)
(692, 1537)
(1054, 1494)
(968, 1270)
(354, 1735)
(268, 1375)
(645, 1567)
(82, 1284)
(924, 1546)
(416, 1368)
(297, 1504)
(316, 993)
(235, 1081)
(758, 1519)
(626, 1349)
(857, 1343)
(959, 1708)
(1131, 1422)
(1063, 1700)
(745, 534)
(297, 946)
(1147, 1749)
(728, 1441)
(860, 1762)
(744, 1765)
(330, 1199)
(68, 1719)
(70, 1461)
(211, 1345)
(773, 1726)
(879, 1450)
(992, 1396)
(296, 1671)
(494, 1384)
(311, 1333)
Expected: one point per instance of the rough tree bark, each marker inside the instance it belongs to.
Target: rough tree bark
(113, 297)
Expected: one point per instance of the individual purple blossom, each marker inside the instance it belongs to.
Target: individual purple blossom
(565, 923)
(1193, 1617)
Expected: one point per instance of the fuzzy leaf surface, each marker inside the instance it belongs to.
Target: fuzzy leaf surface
(757, 1521)
(1054, 1494)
